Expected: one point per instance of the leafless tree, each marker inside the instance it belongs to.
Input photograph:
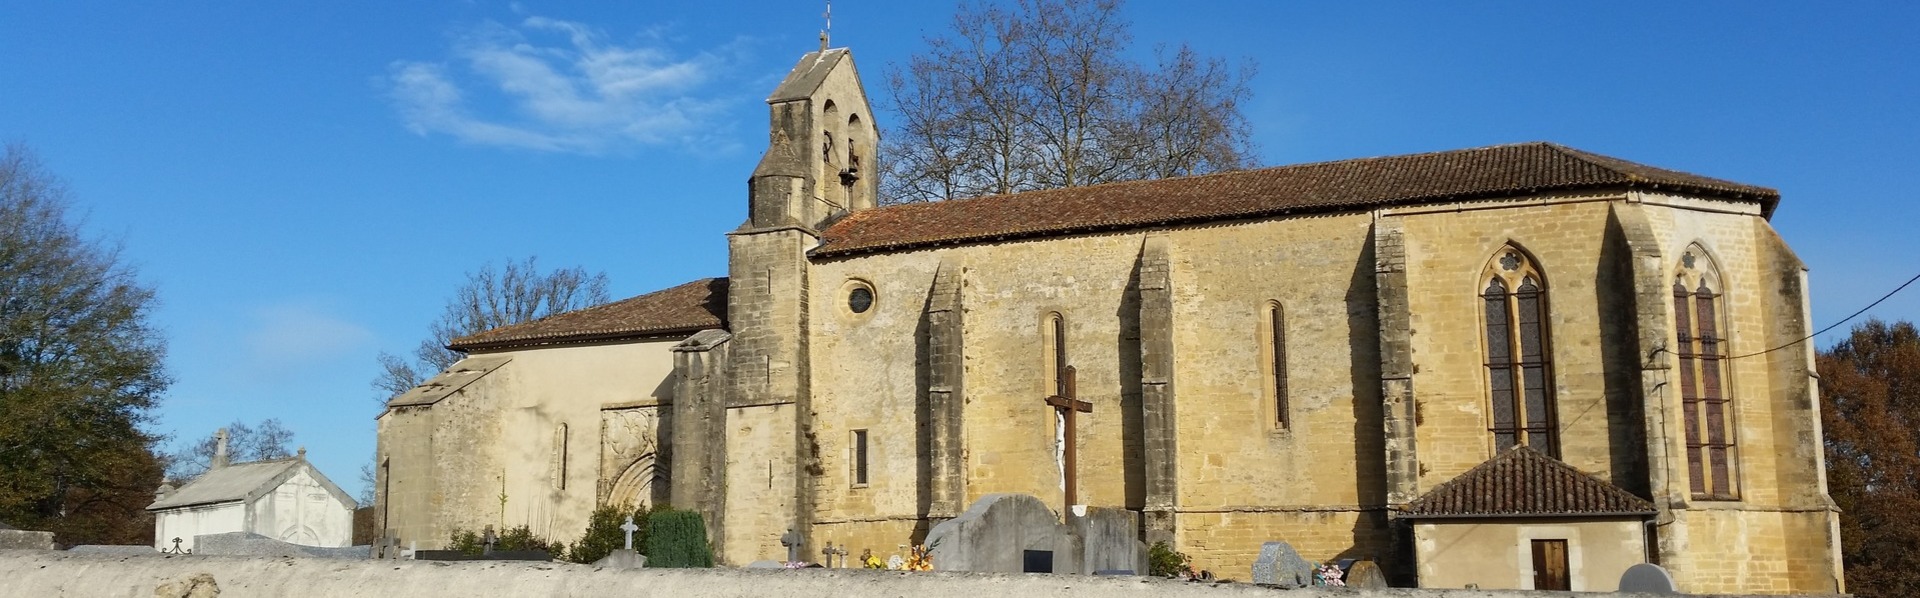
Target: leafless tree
(1040, 96)
(270, 439)
(515, 292)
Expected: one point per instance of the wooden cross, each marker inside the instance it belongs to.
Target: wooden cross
(1067, 406)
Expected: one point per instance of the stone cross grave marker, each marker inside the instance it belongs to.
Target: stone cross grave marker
(629, 528)
(792, 541)
(1067, 405)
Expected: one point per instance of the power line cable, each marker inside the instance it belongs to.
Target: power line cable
(1835, 324)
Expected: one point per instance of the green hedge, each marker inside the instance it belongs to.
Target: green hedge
(677, 539)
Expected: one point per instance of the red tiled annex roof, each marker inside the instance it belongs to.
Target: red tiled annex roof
(1480, 173)
(1523, 482)
(687, 308)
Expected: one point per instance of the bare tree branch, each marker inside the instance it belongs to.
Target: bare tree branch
(1039, 97)
(491, 297)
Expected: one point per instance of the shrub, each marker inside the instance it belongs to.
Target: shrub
(678, 539)
(514, 538)
(604, 535)
(1164, 561)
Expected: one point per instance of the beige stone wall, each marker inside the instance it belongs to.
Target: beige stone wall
(1241, 476)
(1498, 555)
(1777, 537)
(449, 464)
(1446, 253)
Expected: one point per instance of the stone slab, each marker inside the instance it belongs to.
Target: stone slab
(622, 558)
(14, 539)
(1366, 575)
(1280, 565)
(996, 533)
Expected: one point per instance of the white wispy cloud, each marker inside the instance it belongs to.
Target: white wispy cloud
(292, 333)
(552, 85)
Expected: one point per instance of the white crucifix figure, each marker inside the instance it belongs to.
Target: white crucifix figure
(629, 528)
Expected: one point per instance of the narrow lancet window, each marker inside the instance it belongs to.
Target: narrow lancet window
(1701, 349)
(859, 472)
(1519, 356)
(1277, 365)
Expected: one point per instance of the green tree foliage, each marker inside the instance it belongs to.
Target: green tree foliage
(604, 535)
(490, 298)
(677, 539)
(80, 369)
(1040, 95)
(1870, 391)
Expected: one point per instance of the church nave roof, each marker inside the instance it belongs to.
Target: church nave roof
(1468, 174)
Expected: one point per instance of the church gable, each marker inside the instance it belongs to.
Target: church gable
(1480, 173)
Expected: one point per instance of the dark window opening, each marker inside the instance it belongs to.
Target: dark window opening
(859, 457)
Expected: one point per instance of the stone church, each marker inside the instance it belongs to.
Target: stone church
(1519, 366)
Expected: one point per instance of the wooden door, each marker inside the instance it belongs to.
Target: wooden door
(1550, 565)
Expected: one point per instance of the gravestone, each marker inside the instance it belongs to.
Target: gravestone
(629, 528)
(998, 533)
(622, 558)
(1105, 539)
(765, 564)
(1648, 578)
(1366, 575)
(1279, 565)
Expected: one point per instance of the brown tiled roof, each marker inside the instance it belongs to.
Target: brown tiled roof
(1480, 173)
(1523, 482)
(687, 308)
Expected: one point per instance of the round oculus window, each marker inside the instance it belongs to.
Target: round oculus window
(860, 299)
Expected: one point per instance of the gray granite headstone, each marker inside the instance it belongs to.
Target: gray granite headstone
(1105, 540)
(997, 533)
(622, 558)
(1366, 575)
(1648, 578)
(766, 564)
(1279, 565)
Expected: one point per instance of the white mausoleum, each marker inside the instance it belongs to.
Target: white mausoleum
(284, 499)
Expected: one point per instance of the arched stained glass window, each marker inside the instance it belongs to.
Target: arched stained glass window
(1702, 351)
(1519, 356)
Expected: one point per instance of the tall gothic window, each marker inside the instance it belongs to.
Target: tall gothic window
(1519, 367)
(1276, 333)
(1702, 350)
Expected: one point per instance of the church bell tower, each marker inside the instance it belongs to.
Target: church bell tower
(819, 167)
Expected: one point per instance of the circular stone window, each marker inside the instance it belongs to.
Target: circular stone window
(860, 299)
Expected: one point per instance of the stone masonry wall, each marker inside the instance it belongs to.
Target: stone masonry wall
(48, 573)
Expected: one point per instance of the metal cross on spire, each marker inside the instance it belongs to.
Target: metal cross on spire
(827, 33)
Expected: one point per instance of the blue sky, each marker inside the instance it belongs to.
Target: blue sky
(306, 182)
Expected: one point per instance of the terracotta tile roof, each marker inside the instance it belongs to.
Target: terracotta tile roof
(1523, 482)
(1479, 173)
(687, 308)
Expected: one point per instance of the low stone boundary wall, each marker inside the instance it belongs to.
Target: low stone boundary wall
(56, 573)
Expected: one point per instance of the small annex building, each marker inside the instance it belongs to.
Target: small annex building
(1524, 520)
(284, 499)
